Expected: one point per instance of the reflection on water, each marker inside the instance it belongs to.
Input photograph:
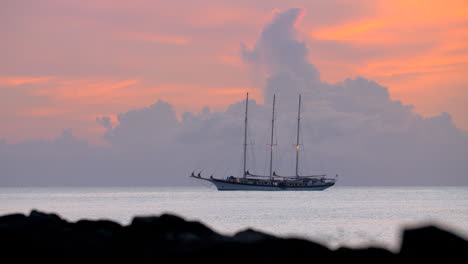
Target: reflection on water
(338, 216)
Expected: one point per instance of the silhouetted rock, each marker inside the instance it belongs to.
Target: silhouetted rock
(373, 254)
(431, 242)
(12, 220)
(170, 227)
(250, 235)
(42, 237)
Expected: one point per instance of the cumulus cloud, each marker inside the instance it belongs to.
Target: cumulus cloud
(351, 128)
(284, 58)
(142, 127)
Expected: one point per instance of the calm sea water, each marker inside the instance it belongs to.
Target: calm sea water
(352, 216)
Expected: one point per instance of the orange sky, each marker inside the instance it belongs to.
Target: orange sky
(422, 58)
(64, 64)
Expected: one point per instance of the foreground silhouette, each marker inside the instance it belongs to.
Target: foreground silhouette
(47, 238)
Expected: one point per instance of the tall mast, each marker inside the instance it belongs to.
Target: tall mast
(297, 138)
(245, 135)
(271, 142)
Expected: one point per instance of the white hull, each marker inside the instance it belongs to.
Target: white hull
(227, 186)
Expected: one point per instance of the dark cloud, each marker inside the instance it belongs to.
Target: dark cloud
(142, 127)
(352, 128)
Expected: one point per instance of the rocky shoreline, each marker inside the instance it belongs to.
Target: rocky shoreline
(43, 237)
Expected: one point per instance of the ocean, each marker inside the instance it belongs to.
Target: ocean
(339, 216)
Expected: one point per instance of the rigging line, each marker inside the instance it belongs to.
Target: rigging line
(304, 157)
(276, 152)
(280, 159)
(272, 134)
(245, 137)
(298, 138)
(240, 164)
(251, 148)
(253, 157)
(291, 146)
(291, 161)
(266, 161)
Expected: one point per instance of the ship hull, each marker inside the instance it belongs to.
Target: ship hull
(222, 185)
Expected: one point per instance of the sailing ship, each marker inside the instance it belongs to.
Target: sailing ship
(271, 182)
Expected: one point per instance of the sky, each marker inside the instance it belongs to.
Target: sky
(123, 88)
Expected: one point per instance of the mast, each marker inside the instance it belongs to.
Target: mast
(297, 138)
(271, 142)
(245, 135)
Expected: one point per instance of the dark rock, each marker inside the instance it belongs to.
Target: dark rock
(171, 227)
(250, 235)
(12, 220)
(97, 225)
(434, 243)
(369, 255)
(42, 237)
(42, 220)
